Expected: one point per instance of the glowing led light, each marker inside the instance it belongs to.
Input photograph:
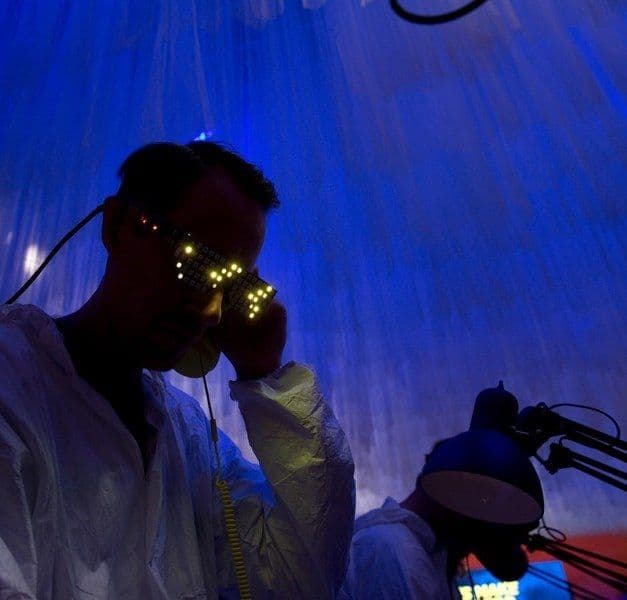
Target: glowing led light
(219, 278)
(256, 309)
(180, 275)
(269, 289)
(179, 265)
(259, 292)
(255, 299)
(239, 269)
(265, 295)
(250, 296)
(251, 306)
(251, 316)
(223, 270)
(215, 285)
(188, 249)
(229, 274)
(155, 227)
(213, 274)
(234, 267)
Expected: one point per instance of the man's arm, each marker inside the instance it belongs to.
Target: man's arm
(307, 462)
(296, 546)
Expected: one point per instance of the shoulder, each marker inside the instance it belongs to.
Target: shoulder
(18, 331)
(388, 562)
(23, 350)
(382, 533)
(390, 538)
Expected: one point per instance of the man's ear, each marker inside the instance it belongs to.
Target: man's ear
(112, 217)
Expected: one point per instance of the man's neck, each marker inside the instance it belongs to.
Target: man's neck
(96, 351)
(420, 505)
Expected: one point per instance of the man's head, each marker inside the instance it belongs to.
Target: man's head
(203, 189)
(448, 503)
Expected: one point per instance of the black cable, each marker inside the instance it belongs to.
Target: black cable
(551, 532)
(56, 248)
(610, 417)
(435, 19)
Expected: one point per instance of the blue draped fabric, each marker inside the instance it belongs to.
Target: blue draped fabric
(454, 204)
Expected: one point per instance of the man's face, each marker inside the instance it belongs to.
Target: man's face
(497, 547)
(157, 317)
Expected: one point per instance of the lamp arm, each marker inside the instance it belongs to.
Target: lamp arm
(535, 425)
(561, 457)
(571, 555)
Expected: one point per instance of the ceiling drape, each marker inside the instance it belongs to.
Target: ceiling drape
(454, 204)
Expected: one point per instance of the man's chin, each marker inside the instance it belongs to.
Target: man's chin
(166, 360)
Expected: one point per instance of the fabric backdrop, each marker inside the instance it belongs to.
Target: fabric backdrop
(454, 205)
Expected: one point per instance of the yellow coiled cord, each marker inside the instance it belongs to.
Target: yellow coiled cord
(228, 510)
(234, 542)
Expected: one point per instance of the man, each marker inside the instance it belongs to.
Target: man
(107, 472)
(413, 550)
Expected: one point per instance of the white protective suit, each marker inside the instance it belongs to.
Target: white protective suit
(80, 518)
(395, 556)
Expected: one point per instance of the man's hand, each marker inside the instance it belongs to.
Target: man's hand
(254, 347)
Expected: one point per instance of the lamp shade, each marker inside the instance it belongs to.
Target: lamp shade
(484, 475)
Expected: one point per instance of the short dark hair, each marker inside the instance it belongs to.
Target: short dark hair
(157, 174)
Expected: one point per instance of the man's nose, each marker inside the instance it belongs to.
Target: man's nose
(212, 309)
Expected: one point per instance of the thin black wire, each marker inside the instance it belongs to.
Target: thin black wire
(204, 382)
(52, 253)
(550, 532)
(435, 19)
(610, 417)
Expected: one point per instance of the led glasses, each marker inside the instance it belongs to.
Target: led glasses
(207, 271)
